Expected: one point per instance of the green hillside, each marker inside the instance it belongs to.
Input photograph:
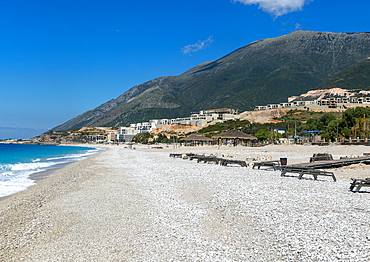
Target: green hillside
(356, 77)
(262, 72)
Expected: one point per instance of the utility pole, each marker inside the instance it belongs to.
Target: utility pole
(271, 135)
(295, 130)
(174, 144)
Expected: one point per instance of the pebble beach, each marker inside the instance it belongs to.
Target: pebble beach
(141, 205)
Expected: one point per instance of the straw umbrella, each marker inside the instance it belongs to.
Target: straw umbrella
(196, 137)
(235, 135)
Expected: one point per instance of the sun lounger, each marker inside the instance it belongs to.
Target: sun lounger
(190, 154)
(275, 164)
(307, 171)
(181, 155)
(175, 155)
(206, 159)
(321, 157)
(358, 183)
(195, 157)
(225, 162)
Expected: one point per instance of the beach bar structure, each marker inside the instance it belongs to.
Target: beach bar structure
(197, 139)
(236, 136)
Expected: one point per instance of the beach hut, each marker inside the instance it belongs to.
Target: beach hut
(197, 138)
(234, 135)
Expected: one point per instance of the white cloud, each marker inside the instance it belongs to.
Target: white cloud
(186, 50)
(277, 7)
(298, 26)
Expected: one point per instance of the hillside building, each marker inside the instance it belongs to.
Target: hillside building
(112, 135)
(126, 134)
(279, 130)
(335, 98)
(207, 116)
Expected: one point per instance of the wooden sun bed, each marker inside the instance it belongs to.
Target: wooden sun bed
(206, 159)
(190, 154)
(225, 162)
(194, 157)
(321, 157)
(307, 171)
(176, 155)
(275, 164)
(180, 155)
(336, 163)
(358, 183)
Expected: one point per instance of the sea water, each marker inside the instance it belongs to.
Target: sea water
(18, 162)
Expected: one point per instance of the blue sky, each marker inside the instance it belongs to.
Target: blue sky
(61, 58)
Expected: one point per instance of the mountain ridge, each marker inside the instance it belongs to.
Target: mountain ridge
(264, 71)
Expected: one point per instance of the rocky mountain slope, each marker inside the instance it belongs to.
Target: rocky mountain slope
(262, 72)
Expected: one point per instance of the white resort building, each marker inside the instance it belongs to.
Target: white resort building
(207, 116)
(335, 98)
(125, 134)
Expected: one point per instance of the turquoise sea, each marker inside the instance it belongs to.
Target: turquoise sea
(18, 162)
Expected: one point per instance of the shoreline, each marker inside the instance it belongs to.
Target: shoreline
(39, 175)
(22, 209)
(125, 204)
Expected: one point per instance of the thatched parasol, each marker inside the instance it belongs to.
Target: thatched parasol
(235, 134)
(196, 137)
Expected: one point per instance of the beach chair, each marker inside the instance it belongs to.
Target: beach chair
(321, 157)
(275, 164)
(207, 159)
(225, 162)
(358, 183)
(307, 171)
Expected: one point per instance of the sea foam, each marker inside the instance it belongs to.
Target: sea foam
(15, 171)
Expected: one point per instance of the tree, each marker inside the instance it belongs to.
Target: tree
(142, 138)
(332, 129)
(349, 117)
(345, 132)
(262, 134)
(324, 121)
